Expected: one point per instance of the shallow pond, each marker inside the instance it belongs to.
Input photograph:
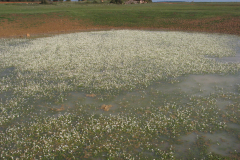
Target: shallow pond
(120, 95)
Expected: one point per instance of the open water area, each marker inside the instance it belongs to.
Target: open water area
(120, 95)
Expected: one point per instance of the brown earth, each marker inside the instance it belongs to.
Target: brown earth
(17, 25)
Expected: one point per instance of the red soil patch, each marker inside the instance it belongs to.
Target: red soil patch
(17, 25)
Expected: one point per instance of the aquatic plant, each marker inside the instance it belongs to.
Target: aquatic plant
(38, 76)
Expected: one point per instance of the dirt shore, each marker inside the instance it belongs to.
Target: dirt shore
(16, 25)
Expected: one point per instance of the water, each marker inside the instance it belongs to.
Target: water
(189, 115)
(6, 72)
(153, 99)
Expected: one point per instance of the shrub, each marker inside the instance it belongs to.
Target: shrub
(44, 2)
(116, 1)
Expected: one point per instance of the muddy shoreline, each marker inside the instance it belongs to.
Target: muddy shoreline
(17, 26)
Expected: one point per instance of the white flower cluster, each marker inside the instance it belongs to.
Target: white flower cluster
(110, 59)
(71, 133)
(33, 70)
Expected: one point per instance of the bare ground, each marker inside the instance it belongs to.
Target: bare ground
(17, 25)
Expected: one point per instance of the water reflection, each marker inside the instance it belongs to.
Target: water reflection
(6, 72)
(207, 84)
(148, 100)
(234, 59)
(231, 59)
(222, 143)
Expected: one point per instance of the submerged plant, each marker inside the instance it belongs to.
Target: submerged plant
(40, 119)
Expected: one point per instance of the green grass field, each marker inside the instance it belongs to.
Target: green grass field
(145, 15)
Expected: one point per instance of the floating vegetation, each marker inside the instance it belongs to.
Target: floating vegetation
(167, 95)
(91, 95)
(106, 107)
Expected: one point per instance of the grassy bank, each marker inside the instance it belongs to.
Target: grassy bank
(175, 16)
(154, 10)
